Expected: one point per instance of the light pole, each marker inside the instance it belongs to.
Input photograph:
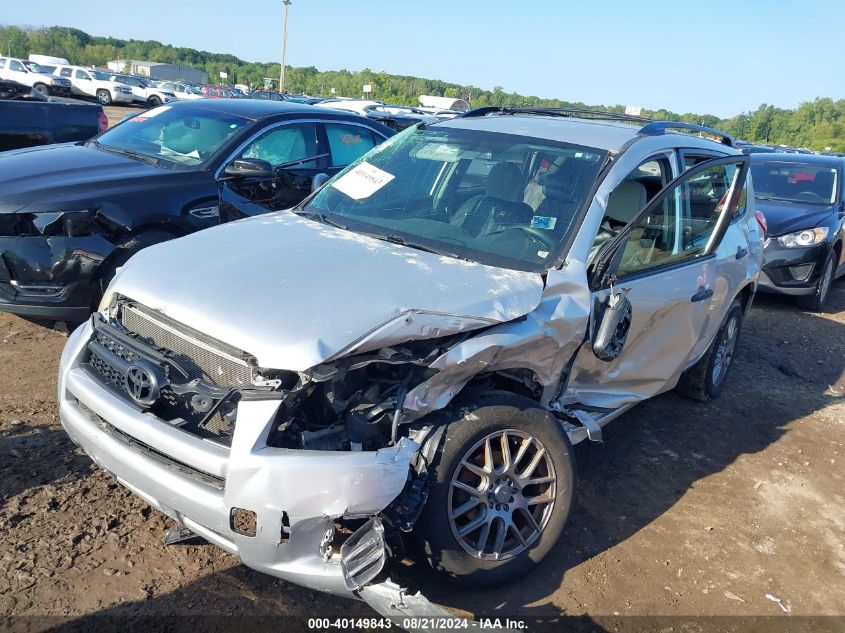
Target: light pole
(284, 46)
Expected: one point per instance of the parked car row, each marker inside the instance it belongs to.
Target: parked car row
(326, 346)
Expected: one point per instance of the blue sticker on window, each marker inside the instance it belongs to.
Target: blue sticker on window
(543, 222)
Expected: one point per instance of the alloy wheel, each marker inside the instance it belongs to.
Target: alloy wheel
(725, 350)
(501, 495)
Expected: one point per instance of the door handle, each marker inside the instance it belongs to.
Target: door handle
(741, 252)
(702, 294)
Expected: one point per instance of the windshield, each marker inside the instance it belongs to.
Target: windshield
(175, 137)
(35, 68)
(493, 198)
(795, 182)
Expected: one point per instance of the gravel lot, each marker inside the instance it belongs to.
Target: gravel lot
(685, 510)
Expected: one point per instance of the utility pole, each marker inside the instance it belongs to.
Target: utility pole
(284, 46)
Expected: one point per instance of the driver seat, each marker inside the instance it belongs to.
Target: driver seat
(499, 208)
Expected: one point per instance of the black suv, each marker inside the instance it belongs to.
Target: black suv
(802, 199)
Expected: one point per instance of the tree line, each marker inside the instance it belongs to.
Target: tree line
(817, 124)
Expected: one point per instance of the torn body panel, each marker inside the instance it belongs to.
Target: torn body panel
(543, 343)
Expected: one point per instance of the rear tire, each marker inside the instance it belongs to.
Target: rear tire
(104, 97)
(476, 483)
(816, 301)
(125, 249)
(704, 380)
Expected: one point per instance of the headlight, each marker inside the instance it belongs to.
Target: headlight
(807, 237)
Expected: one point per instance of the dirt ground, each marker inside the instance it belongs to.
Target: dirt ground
(685, 510)
(116, 113)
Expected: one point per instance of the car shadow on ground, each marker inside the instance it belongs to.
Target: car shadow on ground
(651, 457)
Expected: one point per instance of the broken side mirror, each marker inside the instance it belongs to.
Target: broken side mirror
(613, 326)
(318, 181)
(249, 168)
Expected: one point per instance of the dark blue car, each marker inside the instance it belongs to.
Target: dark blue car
(802, 199)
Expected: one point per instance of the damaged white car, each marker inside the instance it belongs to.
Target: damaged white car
(400, 365)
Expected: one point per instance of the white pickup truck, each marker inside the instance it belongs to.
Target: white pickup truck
(144, 92)
(90, 82)
(33, 75)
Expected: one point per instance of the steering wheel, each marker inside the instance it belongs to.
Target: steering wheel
(541, 236)
(809, 196)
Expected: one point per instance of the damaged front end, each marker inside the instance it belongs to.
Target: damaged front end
(48, 261)
(302, 475)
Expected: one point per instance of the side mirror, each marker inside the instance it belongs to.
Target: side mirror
(318, 181)
(613, 326)
(249, 168)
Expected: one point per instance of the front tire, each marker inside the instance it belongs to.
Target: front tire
(43, 89)
(704, 380)
(104, 97)
(154, 101)
(816, 301)
(502, 490)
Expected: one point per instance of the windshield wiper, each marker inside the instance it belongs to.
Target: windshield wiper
(144, 158)
(397, 239)
(321, 217)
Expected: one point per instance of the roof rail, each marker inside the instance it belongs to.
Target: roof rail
(651, 127)
(656, 128)
(565, 112)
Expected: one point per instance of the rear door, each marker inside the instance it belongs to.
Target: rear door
(667, 259)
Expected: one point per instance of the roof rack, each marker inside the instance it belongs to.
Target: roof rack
(565, 112)
(651, 127)
(655, 128)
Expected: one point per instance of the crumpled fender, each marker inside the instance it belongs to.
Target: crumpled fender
(543, 342)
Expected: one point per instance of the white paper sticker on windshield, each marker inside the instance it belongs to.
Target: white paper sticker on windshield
(363, 181)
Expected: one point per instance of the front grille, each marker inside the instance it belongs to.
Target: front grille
(200, 356)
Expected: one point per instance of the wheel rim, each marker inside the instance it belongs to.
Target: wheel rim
(104, 98)
(824, 282)
(501, 495)
(725, 350)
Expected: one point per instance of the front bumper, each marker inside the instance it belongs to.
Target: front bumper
(295, 494)
(50, 277)
(791, 271)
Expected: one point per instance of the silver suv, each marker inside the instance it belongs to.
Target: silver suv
(408, 356)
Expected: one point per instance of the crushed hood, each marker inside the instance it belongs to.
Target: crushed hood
(293, 292)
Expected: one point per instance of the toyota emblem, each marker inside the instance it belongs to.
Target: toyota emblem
(142, 383)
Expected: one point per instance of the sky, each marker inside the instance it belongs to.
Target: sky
(717, 57)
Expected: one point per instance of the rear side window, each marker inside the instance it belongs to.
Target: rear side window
(2, 63)
(347, 143)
